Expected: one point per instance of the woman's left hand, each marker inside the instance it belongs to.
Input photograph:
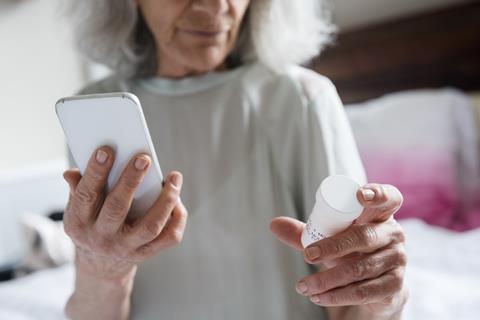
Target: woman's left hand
(365, 264)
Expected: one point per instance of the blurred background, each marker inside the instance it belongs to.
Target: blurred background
(408, 72)
(40, 64)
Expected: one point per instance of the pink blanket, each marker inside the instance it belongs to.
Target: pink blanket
(425, 143)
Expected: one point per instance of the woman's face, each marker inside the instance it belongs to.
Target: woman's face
(193, 36)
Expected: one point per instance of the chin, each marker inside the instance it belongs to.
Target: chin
(204, 62)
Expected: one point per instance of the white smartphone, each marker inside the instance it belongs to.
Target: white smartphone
(116, 120)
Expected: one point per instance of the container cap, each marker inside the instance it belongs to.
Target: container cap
(340, 193)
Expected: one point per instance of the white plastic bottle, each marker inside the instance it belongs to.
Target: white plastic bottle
(335, 209)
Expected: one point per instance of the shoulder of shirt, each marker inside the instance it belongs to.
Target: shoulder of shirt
(306, 84)
(288, 98)
(111, 83)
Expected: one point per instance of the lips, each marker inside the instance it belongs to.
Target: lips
(206, 29)
(204, 33)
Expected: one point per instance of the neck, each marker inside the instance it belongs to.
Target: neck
(169, 69)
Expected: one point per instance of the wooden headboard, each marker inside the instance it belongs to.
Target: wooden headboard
(436, 49)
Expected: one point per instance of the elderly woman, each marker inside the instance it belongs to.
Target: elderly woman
(250, 136)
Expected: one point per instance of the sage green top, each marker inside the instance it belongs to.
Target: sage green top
(252, 144)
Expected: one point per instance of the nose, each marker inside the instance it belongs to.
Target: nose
(211, 7)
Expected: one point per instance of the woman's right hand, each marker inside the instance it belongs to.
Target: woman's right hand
(108, 247)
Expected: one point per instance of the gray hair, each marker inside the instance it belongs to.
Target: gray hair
(277, 33)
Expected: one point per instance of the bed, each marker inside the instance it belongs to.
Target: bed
(425, 65)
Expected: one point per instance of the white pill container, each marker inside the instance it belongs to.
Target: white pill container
(336, 207)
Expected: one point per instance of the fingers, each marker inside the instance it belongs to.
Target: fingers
(369, 257)
(353, 270)
(89, 192)
(288, 231)
(381, 201)
(118, 202)
(380, 289)
(367, 237)
(151, 225)
(171, 235)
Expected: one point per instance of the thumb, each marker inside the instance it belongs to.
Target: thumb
(72, 176)
(288, 231)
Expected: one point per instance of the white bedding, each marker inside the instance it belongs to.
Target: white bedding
(443, 273)
(41, 295)
(443, 277)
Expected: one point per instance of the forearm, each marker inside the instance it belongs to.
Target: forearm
(96, 298)
(391, 311)
(360, 313)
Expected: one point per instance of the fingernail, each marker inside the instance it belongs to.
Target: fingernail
(101, 156)
(141, 163)
(301, 287)
(315, 299)
(313, 253)
(368, 194)
(175, 179)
